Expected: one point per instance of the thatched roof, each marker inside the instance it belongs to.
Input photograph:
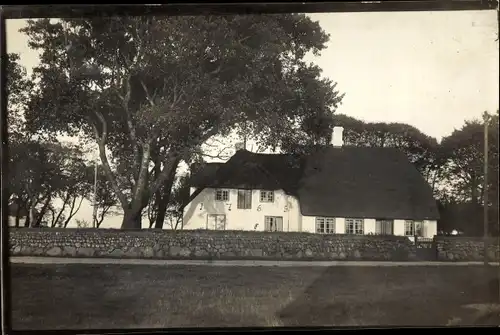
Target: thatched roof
(201, 174)
(250, 170)
(366, 183)
(357, 182)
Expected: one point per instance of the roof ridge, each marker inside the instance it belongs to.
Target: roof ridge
(264, 153)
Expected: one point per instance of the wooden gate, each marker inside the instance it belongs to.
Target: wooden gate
(426, 249)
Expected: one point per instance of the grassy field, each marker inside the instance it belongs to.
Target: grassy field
(130, 296)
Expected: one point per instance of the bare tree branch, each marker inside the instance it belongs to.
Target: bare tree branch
(219, 155)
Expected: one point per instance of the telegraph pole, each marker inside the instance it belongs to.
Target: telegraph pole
(485, 188)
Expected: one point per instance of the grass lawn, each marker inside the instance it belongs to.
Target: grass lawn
(131, 296)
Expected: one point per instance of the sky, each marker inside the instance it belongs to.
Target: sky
(432, 70)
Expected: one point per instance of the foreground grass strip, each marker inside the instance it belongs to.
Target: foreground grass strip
(111, 296)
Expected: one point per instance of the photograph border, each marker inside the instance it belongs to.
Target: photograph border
(8, 12)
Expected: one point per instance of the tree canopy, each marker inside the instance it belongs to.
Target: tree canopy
(464, 154)
(151, 90)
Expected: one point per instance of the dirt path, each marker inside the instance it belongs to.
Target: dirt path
(58, 260)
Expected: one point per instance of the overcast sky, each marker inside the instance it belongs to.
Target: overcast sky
(432, 70)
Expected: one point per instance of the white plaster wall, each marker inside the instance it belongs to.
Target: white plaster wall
(309, 224)
(399, 227)
(340, 225)
(196, 212)
(369, 226)
(430, 228)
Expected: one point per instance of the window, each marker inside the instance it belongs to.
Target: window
(354, 226)
(221, 195)
(274, 223)
(325, 225)
(384, 227)
(216, 222)
(266, 196)
(413, 228)
(244, 199)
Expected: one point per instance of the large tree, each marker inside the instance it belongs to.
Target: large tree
(462, 203)
(464, 153)
(41, 174)
(151, 90)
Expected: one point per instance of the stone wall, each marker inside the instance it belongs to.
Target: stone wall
(458, 248)
(162, 244)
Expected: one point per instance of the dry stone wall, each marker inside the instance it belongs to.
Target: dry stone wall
(206, 245)
(458, 248)
(163, 244)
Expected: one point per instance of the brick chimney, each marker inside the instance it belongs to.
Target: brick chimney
(337, 137)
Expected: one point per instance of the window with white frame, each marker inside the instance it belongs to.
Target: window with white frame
(273, 223)
(266, 196)
(384, 227)
(325, 225)
(221, 195)
(216, 222)
(413, 228)
(354, 226)
(244, 199)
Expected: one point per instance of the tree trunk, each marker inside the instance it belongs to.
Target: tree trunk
(162, 210)
(18, 212)
(156, 204)
(178, 220)
(33, 221)
(165, 199)
(58, 217)
(42, 212)
(72, 211)
(132, 219)
(100, 218)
